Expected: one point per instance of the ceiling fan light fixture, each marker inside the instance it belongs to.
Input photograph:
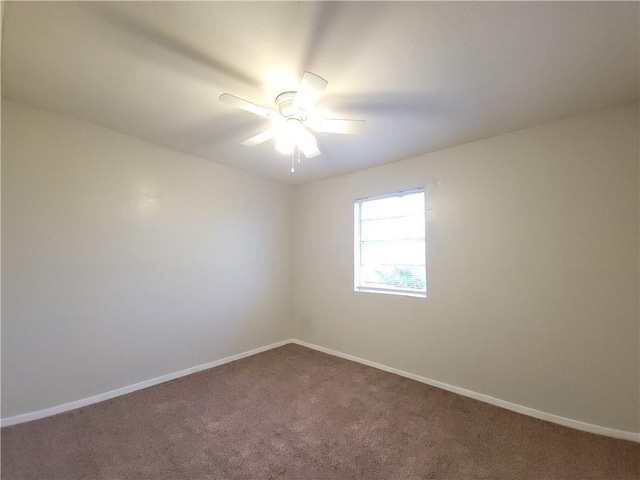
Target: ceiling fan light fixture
(286, 139)
(293, 119)
(293, 134)
(284, 144)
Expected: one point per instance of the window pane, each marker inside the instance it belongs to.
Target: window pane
(390, 244)
(385, 276)
(394, 252)
(410, 204)
(393, 228)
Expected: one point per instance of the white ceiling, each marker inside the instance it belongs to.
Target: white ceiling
(424, 76)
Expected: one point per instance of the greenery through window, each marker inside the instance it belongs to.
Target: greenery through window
(390, 251)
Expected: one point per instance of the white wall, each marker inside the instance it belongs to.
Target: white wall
(123, 260)
(532, 269)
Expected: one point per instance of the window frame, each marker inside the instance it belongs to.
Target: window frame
(357, 254)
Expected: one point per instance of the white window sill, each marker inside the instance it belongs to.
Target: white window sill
(405, 293)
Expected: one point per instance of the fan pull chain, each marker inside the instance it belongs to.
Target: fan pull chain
(295, 153)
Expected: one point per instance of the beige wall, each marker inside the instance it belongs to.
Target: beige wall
(124, 261)
(532, 269)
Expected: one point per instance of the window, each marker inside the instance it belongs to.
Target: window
(390, 251)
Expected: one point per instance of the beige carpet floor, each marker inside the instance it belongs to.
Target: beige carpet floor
(295, 413)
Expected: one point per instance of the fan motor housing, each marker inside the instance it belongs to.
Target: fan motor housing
(284, 101)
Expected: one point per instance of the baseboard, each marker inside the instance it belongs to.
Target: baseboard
(567, 422)
(549, 417)
(47, 412)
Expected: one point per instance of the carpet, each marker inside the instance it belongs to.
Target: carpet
(295, 413)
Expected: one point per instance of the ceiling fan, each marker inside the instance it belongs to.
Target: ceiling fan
(294, 118)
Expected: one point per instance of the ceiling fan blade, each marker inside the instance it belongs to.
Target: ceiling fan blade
(260, 138)
(334, 125)
(310, 151)
(309, 92)
(248, 106)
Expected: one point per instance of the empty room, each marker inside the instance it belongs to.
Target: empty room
(320, 240)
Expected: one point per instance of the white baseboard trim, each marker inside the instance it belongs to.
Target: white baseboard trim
(549, 417)
(47, 412)
(567, 422)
